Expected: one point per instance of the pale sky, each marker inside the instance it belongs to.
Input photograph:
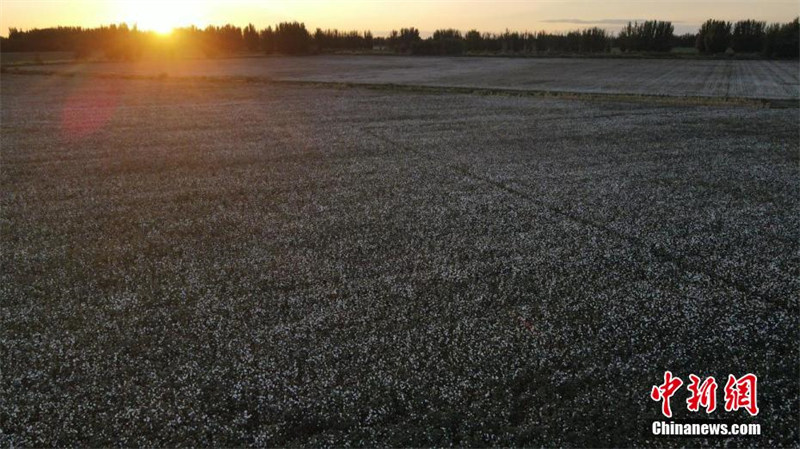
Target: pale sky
(381, 16)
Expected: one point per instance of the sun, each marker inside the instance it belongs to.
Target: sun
(161, 16)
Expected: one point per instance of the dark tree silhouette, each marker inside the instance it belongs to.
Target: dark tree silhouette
(591, 40)
(267, 37)
(748, 36)
(342, 40)
(714, 36)
(251, 38)
(473, 41)
(443, 42)
(128, 43)
(292, 38)
(112, 42)
(783, 40)
(684, 40)
(651, 35)
(594, 40)
(403, 41)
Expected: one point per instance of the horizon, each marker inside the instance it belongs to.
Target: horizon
(382, 17)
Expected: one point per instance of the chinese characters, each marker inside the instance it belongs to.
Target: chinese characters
(740, 393)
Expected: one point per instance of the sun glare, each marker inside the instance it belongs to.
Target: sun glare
(161, 16)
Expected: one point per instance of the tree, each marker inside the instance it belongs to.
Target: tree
(369, 40)
(473, 41)
(714, 36)
(267, 39)
(593, 40)
(684, 40)
(651, 35)
(251, 39)
(403, 41)
(119, 41)
(748, 36)
(292, 38)
(783, 40)
(342, 40)
(445, 42)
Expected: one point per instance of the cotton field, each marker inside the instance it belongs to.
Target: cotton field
(188, 262)
(753, 79)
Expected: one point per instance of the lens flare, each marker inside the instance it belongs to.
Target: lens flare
(87, 109)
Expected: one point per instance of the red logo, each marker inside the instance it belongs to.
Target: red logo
(665, 391)
(740, 393)
(703, 395)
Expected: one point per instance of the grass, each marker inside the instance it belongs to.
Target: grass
(293, 265)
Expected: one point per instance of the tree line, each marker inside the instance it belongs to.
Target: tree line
(750, 36)
(292, 38)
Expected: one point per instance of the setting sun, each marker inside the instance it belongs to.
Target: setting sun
(162, 17)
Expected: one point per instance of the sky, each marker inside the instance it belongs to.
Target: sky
(380, 16)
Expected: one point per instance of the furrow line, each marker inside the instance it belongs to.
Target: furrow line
(657, 252)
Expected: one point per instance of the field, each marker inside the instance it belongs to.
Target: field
(45, 57)
(216, 262)
(710, 78)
